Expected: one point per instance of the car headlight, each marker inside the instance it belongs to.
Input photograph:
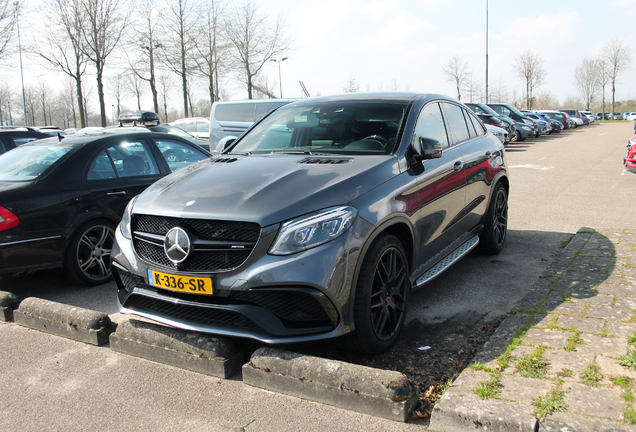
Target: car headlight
(313, 230)
(526, 128)
(124, 225)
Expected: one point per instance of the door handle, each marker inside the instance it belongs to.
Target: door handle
(458, 166)
(116, 193)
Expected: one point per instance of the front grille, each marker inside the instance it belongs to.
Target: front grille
(203, 315)
(201, 259)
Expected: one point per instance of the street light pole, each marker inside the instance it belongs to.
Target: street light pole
(280, 81)
(486, 51)
(17, 20)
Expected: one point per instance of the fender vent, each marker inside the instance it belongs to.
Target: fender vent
(225, 160)
(323, 161)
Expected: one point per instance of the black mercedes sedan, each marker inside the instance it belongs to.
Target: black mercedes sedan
(317, 222)
(61, 198)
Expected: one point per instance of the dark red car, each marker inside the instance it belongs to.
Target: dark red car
(630, 159)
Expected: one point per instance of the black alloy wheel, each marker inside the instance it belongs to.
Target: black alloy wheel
(493, 237)
(88, 256)
(382, 296)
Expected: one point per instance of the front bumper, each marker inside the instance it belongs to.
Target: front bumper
(274, 299)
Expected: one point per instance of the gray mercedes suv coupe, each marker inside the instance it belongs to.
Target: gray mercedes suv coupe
(317, 223)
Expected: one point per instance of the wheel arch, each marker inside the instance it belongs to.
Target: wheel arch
(398, 227)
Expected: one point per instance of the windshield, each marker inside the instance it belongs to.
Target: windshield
(350, 127)
(28, 162)
(483, 109)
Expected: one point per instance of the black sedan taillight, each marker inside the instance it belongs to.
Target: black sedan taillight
(7, 219)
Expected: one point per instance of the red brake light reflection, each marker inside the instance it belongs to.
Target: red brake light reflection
(7, 219)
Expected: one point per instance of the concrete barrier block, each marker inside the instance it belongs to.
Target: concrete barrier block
(64, 320)
(196, 352)
(376, 392)
(8, 302)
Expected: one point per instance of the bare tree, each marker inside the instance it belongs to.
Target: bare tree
(44, 95)
(9, 13)
(146, 36)
(617, 57)
(212, 46)
(456, 71)
(586, 80)
(181, 21)
(135, 85)
(63, 47)
(165, 84)
(255, 41)
(474, 89)
(5, 104)
(498, 93)
(603, 80)
(105, 22)
(529, 67)
(351, 85)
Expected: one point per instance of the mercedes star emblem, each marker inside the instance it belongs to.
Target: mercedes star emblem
(176, 244)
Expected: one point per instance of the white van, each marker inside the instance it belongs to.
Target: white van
(229, 119)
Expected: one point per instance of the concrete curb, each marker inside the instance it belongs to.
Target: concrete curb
(188, 350)
(377, 392)
(63, 320)
(8, 302)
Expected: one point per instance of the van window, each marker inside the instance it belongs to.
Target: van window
(264, 108)
(238, 112)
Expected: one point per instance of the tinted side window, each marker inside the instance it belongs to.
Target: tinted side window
(457, 129)
(203, 126)
(23, 140)
(130, 159)
(177, 154)
(479, 127)
(3, 148)
(430, 124)
(238, 112)
(187, 126)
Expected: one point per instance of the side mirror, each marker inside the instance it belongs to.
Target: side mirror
(428, 149)
(225, 143)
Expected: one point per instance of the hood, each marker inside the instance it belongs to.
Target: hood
(266, 189)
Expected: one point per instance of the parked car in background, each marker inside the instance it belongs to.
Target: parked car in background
(618, 116)
(490, 117)
(149, 121)
(599, 116)
(588, 114)
(195, 126)
(543, 124)
(500, 133)
(88, 130)
(229, 119)
(317, 222)
(631, 116)
(11, 138)
(554, 126)
(70, 131)
(555, 115)
(630, 160)
(516, 115)
(575, 116)
(61, 198)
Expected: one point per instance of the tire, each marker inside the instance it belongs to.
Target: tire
(382, 296)
(493, 237)
(88, 254)
(172, 156)
(518, 137)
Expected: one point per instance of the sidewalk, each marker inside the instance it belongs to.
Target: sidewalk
(557, 363)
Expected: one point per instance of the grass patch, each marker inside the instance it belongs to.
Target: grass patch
(629, 360)
(631, 338)
(490, 389)
(573, 341)
(565, 373)
(533, 365)
(590, 375)
(548, 404)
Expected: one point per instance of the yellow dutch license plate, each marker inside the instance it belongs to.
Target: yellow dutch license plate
(187, 284)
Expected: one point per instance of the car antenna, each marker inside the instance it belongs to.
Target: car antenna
(60, 137)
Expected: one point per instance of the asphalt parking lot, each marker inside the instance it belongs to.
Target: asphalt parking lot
(558, 185)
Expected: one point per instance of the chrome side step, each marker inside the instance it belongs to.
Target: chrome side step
(448, 261)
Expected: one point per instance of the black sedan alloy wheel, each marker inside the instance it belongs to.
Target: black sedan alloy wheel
(89, 254)
(493, 236)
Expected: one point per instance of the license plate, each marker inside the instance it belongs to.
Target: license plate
(188, 284)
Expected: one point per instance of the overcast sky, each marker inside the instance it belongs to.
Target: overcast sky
(384, 44)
